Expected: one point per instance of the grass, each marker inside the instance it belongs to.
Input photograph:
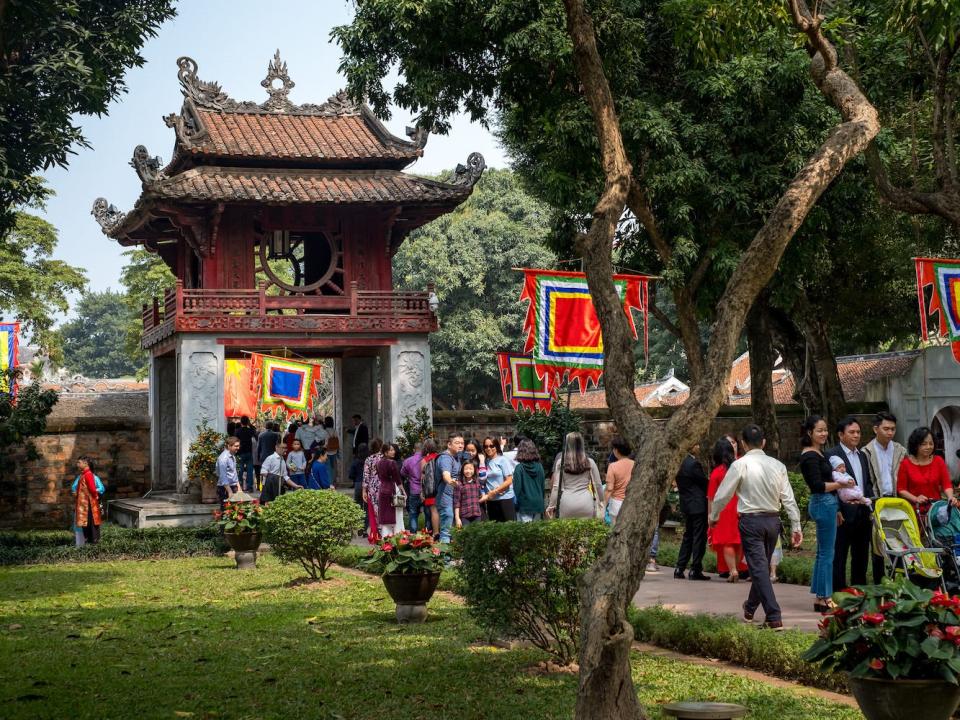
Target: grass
(196, 638)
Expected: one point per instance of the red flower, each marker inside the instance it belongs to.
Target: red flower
(877, 664)
(874, 618)
(403, 541)
(853, 591)
(889, 604)
(935, 632)
(952, 631)
(386, 547)
(436, 551)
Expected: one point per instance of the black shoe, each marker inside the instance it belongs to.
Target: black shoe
(678, 574)
(698, 576)
(723, 575)
(747, 614)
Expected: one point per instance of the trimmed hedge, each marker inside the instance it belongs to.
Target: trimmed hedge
(728, 639)
(116, 543)
(521, 580)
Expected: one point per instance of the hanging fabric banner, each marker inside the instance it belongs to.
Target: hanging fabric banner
(284, 385)
(8, 356)
(562, 329)
(521, 385)
(944, 275)
(239, 397)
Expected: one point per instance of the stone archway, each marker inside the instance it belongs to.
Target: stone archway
(945, 427)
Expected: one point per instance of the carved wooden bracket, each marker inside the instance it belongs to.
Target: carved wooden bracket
(469, 174)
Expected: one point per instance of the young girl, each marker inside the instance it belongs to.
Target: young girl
(466, 495)
(297, 464)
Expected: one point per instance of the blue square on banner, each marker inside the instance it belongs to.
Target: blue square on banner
(286, 384)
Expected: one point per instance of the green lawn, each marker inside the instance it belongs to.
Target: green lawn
(196, 638)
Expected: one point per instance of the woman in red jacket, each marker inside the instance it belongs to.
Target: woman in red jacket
(923, 476)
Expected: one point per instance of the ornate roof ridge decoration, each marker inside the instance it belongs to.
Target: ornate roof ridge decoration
(470, 173)
(148, 168)
(107, 215)
(210, 96)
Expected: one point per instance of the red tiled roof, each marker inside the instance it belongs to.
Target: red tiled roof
(597, 399)
(296, 137)
(284, 187)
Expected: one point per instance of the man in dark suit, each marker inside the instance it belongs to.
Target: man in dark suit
(692, 484)
(855, 528)
(360, 433)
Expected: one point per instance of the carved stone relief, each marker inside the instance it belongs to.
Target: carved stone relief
(202, 383)
(409, 377)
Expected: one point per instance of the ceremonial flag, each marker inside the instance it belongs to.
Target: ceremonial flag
(522, 387)
(285, 385)
(239, 398)
(8, 355)
(562, 328)
(944, 275)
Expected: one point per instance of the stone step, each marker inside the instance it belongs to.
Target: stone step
(159, 511)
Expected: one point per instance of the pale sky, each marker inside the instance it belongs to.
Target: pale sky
(232, 42)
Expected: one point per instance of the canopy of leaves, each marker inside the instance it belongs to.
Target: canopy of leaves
(145, 277)
(93, 341)
(61, 58)
(22, 418)
(468, 254)
(33, 286)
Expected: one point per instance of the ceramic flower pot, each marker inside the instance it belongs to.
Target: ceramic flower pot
(882, 699)
(411, 594)
(244, 547)
(208, 493)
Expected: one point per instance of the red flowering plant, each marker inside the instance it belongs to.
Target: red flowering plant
(406, 553)
(893, 630)
(240, 517)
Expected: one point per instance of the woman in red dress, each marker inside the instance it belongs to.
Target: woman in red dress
(923, 476)
(724, 537)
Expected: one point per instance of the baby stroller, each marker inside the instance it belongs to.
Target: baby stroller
(943, 530)
(896, 538)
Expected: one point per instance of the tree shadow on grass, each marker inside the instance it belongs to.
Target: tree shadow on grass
(36, 581)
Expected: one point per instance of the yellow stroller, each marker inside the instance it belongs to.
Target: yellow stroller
(896, 537)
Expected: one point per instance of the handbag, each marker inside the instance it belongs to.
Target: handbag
(399, 497)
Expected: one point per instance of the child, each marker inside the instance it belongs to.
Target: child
(297, 464)
(851, 493)
(319, 471)
(466, 495)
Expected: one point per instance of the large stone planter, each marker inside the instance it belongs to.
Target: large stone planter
(208, 493)
(244, 547)
(411, 593)
(881, 699)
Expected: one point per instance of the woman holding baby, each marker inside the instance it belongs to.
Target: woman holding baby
(823, 507)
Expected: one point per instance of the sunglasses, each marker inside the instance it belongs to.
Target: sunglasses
(489, 447)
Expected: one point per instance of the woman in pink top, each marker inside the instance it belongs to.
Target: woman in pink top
(618, 477)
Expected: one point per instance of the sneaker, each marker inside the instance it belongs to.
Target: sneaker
(775, 625)
(747, 614)
(652, 566)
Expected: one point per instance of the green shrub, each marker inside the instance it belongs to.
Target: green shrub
(801, 493)
(308, 526)
(116, 543)
(520, 580)
(728, 639)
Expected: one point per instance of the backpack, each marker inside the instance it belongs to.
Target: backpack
(429, 479)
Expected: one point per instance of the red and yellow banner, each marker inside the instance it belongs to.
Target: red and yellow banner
(944, 276)
(284, 385)
(521, 385)
(239, 398)
(8, 356)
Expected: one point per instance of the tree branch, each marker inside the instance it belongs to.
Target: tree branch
(662, 317)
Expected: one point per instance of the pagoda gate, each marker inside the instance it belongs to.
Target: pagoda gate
(279, 222)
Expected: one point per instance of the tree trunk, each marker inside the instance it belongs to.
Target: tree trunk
(792, 344)
(762, 360)
(821, 358)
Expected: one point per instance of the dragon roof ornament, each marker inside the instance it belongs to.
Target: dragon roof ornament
(210, 96)
(107, 215)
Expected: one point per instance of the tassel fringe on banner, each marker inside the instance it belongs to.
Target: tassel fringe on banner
(521, 385)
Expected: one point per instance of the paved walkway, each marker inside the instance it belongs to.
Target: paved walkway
(718, 597)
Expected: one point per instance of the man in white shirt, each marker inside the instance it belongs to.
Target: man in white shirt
(275, 475)
(884, 455)
(761, 485)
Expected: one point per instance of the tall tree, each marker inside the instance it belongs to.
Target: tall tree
(474, 60)
(144, 277)
(34, 286)
(469, 255)
(94, 340)
(59, 59)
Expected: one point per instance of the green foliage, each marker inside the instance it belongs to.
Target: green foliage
(728, 639)
(309, 525)
(203, 453)
(145, 277)
(34, 286)
(548, 431)
(406, 553)
(94, 340)
(22, 418)
(61, 58)
(469, 255)
(893, 630)
(116, 543)
(414, 430)
(801, 493)
(240, 517)
(520, 580)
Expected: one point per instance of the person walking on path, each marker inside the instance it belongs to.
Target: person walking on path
(410, 475)
(692, 484)
(529, 482)
(823, 508)
(762, 487)
(855, 521)
(389, 514)
(884, 455)
(725, 535)
(579, 492)
(618, 477)
(86, 505)
(227, 481)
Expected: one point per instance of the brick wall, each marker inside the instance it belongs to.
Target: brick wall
(37, 493)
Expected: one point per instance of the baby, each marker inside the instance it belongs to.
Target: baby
(851, 494)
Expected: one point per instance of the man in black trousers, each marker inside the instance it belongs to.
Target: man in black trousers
(855, 522)
(692, 484)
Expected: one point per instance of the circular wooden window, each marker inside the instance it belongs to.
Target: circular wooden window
(312, 264)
